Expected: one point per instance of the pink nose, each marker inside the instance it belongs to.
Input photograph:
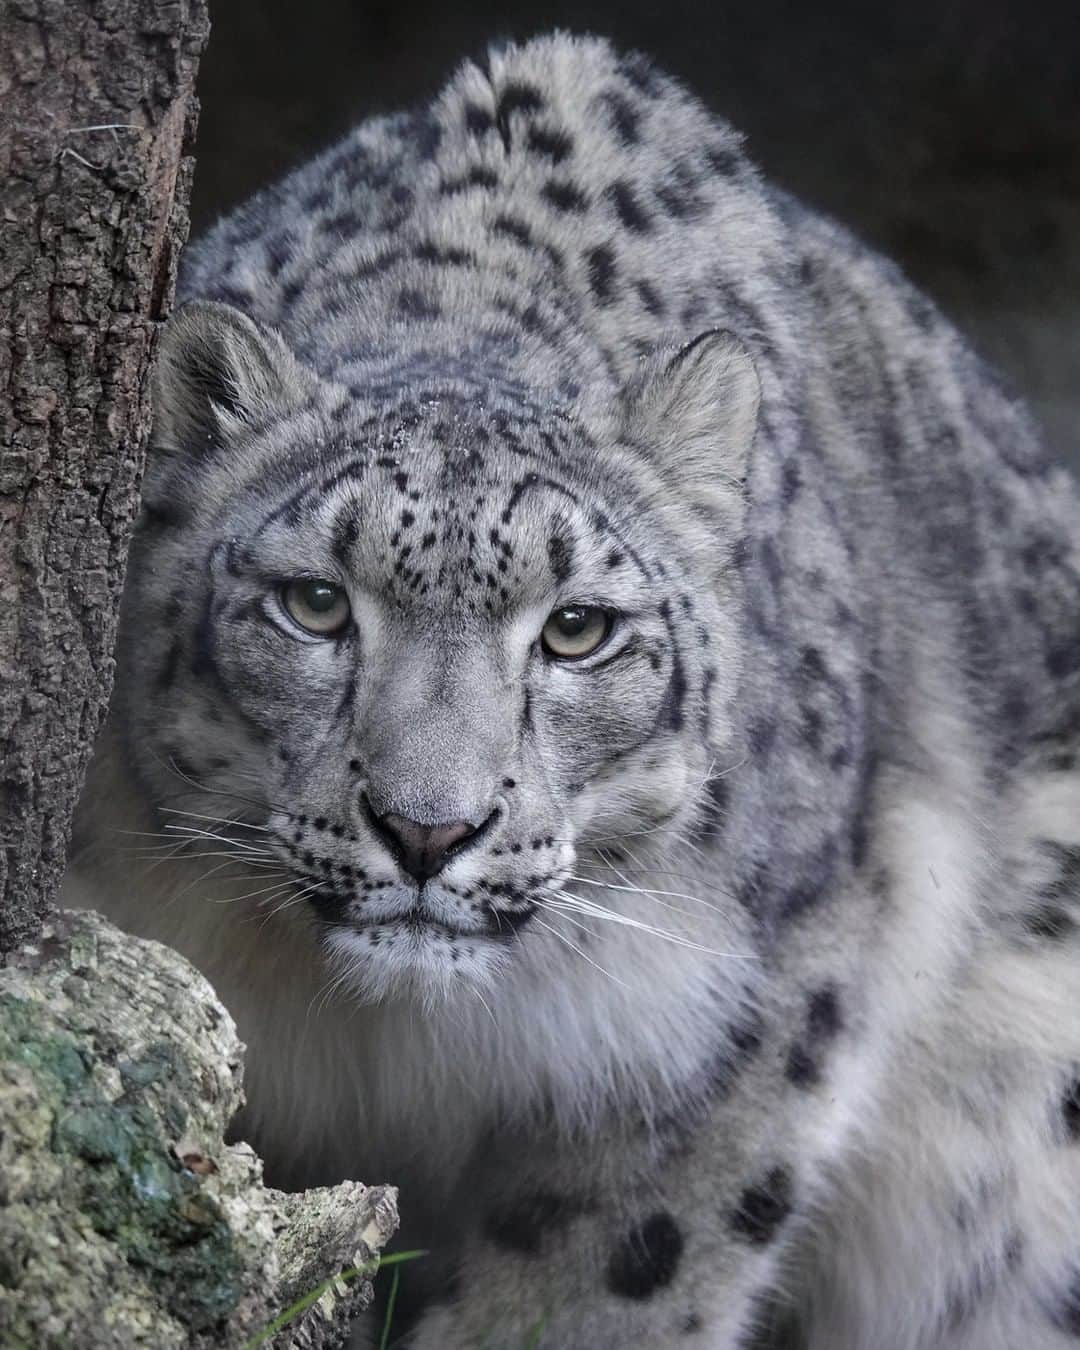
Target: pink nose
(422, 850)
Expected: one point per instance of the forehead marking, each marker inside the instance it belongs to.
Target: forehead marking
(290, 507)
(599, 521)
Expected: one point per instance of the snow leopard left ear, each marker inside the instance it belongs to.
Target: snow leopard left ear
(218, 375)
(695, 414)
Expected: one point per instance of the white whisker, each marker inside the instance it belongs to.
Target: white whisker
(191, 832)
(485, 1004)
(574, 947)
(638, 890)
(654, 895)
(568, 900)
(220, 820)
(291, 900)
(264, 891)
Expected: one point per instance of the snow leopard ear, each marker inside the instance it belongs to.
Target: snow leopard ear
(695, 414)
(218, 375)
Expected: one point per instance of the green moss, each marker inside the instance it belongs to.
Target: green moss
(113, 1052)
(130, 1186)
(156, 1212)
(160, 1063)
(50, 1054)
(98, 1132)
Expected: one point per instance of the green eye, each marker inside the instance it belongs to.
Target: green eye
(320, 606)
(575, 631)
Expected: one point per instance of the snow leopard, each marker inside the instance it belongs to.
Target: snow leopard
(599, 686)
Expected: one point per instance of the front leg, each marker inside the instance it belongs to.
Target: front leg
(654, 1237)
(564, 1264)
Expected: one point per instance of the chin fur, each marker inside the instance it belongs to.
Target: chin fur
(421, 963)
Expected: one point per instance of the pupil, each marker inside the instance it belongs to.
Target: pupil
(573, 622)
(321, 596)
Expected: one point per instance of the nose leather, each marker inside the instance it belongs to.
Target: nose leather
(422, 849)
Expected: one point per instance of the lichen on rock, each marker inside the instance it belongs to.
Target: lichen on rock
(125, 1220)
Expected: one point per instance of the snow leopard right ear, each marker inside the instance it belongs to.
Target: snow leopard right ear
(694, 413)
(218, 375)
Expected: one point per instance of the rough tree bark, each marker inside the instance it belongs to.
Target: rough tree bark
(125, 1220)
(98, 115)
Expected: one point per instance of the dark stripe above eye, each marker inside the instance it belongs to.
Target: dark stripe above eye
(346, 533)
(561, 557)
(290, 507)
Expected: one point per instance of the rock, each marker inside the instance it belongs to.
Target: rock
(125, 1219)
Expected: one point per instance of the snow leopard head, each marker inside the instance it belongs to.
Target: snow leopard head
(434, 638)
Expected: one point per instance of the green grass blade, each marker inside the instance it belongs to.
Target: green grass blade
(384, 1339)
(302, 1304)
(534, 1335)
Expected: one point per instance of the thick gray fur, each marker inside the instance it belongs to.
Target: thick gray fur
(755, 1010)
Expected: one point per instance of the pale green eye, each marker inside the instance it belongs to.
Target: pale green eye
(320, 606)
(575, 631)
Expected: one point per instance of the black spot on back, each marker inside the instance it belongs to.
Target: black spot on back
(811, 665)
(624, 117)
(441, 255)
(477, 119)
(477, 176)
(600, 263)
(515, 97)
(678, 192)
(511, 228)
(647, 1259)
(650, 298)
(564, 196)
(627, 207)
(556, 145)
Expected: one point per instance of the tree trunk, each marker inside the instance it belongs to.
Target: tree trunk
(125, 1219)
(98, 115)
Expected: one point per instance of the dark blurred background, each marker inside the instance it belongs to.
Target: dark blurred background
(946, 133)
